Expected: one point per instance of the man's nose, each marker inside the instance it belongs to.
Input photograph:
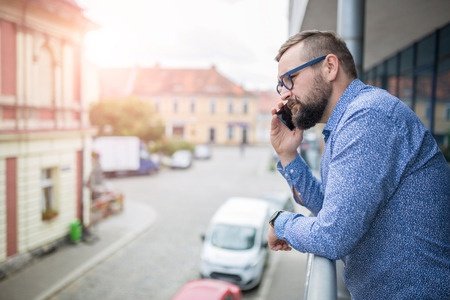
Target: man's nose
(285, 93)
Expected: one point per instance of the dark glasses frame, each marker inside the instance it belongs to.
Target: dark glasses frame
(286, 79)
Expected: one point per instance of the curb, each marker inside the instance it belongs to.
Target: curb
(91, 263)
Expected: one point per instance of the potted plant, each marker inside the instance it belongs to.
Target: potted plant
(49, 214)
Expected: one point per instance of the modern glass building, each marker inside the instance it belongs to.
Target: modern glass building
(406, 50)
(419, 75)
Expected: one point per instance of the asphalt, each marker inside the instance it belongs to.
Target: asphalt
(45, 276)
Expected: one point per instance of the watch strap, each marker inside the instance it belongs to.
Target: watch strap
(274, 217)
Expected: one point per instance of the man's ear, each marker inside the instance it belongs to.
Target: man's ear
(331, 67)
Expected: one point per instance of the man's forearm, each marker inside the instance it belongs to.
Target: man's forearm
(300, 179)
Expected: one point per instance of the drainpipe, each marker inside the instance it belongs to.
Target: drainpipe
(350, 26)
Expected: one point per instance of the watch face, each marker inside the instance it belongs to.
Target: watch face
(274, 217)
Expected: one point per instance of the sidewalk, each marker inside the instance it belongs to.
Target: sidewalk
(49, 274)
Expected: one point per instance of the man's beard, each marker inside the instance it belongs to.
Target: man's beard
(308, 110)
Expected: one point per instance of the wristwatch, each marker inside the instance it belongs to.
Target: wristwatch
(274, 217)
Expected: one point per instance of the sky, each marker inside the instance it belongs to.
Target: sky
(240, 37)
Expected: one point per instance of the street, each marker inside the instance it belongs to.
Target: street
(159, 261)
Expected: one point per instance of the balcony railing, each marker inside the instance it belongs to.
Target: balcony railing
(324, 279)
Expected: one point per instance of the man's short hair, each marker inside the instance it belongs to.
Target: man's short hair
(318, 43)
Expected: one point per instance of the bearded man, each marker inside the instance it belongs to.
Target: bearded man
(383, 202)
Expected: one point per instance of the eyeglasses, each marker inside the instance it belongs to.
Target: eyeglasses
(286, 79)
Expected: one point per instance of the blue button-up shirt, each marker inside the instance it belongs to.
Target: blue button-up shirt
(383, 202)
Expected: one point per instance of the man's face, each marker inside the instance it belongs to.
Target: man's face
(310, 94)
(309, 106)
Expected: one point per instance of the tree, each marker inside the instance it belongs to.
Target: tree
(126, 116)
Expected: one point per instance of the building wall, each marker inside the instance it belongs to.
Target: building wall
(43, 120)
(192, 118)
(32, 158)
(45, 82)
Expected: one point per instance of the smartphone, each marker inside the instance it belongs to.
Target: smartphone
(285, 116)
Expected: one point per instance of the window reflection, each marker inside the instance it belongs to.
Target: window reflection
(442, 108)
(392, 78)
(412, 75)
(405, 80)
(423, 96)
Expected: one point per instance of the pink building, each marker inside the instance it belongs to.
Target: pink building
(44, 130)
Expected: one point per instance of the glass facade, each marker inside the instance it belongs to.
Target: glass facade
(420, 76)
(405, 77)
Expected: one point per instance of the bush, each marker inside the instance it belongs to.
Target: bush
(126, 117)
(168, 147)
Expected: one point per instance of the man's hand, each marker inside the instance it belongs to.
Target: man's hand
(284, 141)
(275, 243)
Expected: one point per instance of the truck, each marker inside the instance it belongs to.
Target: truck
(123, 155)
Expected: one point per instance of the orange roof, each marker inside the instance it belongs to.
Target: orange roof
(163, 81)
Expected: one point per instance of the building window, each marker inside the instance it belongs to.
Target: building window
(175, 106)
(245, 107)
(392, 78)
(193, 106)
(424, 79)
(48, 199)
(423, 82)
(230, 132)
(43, 77)
(405, 79)
(380, 75)
(178, 131)
(212, 135)
(369, 77)
(212, 106)
(442, 107)
(230, 106)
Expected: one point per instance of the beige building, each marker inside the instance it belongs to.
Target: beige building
(44, 130)
(197, 105)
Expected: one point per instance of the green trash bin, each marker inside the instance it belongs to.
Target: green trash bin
(75, 231)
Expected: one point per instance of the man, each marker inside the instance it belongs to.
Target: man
(383, 202)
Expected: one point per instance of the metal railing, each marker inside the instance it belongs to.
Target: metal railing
(324, 279)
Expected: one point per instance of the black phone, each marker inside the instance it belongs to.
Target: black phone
(285, 116)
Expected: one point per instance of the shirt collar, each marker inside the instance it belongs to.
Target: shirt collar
(346, 98)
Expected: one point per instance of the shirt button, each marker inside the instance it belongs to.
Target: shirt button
(292, 171)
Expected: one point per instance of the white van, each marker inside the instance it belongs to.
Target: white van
(235, 244)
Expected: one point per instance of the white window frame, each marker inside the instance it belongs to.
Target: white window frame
(49, 205)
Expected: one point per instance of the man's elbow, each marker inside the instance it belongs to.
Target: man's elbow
(336, 250)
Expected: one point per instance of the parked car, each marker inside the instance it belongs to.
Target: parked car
(208, 289)
(202, 151)
(181, 159)
(235, 244)
(279, 201)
